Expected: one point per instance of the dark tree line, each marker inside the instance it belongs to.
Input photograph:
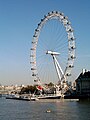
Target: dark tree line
(33, 89)
(29, 89)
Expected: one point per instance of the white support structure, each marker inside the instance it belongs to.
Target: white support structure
(58, 68)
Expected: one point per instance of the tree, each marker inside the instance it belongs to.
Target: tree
(29, 89)
(50, 84)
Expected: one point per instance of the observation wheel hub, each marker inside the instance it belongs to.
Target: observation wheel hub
(52, 52)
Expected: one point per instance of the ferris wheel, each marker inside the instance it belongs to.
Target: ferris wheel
(53, 49)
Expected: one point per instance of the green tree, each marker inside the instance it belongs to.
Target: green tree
(29, 89)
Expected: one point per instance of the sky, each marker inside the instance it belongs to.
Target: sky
(18, 20)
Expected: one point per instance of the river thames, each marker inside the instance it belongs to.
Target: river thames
(37, 110)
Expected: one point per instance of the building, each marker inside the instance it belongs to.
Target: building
(83, 83)
(10, 89)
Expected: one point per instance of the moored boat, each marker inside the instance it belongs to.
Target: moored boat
(49, 96)
(18, 97)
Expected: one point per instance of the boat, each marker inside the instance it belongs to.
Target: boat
(51, 96)
(48, 111)
(57, 94)
(18, 97)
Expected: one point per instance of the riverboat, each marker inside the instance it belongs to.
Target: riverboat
(18, 97)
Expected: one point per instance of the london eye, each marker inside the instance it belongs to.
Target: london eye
(53, 49)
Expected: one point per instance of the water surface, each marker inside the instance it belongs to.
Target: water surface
(36, 110)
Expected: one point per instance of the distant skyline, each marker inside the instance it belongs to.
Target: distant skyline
(19, 19)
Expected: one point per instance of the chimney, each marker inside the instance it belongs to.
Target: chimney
(83, 71)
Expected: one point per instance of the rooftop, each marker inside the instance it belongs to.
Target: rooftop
(86, 74)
